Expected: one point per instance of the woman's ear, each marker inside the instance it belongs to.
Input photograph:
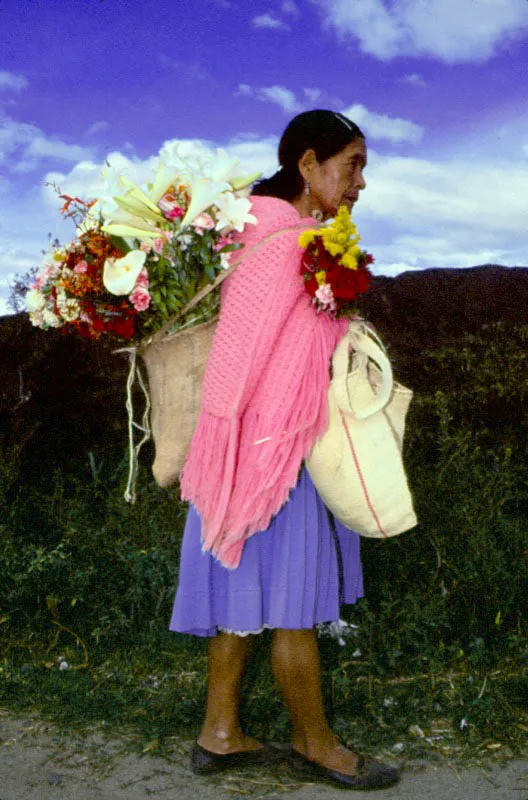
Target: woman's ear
(307, 163)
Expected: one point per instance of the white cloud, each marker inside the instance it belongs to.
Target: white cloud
(245, 89)
(23, 147)
(416, 212)
(449, 30)
(96, 127)
(457, 213)
(289, 7)
(381, 126)
(192, 69)
(415, 79)
(479, 196)
(256, 154)
(13, 81)
(280, 95)
(270, 22)
(283, 97)
(312, 95)
(86, 180)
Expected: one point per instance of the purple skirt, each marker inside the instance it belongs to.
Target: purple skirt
(292, 575)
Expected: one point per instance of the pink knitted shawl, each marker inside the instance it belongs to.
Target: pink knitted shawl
(264, 393)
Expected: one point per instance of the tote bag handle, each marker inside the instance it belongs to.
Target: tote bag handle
(366, 345)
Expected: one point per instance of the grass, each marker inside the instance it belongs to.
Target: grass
(439, 666)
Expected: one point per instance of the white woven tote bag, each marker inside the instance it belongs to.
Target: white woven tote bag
(357, 465)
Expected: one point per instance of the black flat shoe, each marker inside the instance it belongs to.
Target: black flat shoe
(205, 762)
(371, 774)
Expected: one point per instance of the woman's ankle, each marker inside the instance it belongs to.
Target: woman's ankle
(222, 741)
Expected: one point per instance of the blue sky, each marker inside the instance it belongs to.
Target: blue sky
(438, 86)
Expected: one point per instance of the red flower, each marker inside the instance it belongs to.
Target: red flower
(311, 286)
(122, 327)
(348, 284)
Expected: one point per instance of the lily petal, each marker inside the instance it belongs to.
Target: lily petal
(120, 274)
(118, 229)
(204, 193)
(242, 182)
(139, 209)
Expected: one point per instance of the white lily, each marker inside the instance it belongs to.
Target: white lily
(243, 182)
(130, 231)
(234, 212)
(138, 202)
(204, 194)
(222, 166)
(165, 177)
(120, 274)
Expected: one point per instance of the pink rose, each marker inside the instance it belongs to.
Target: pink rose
(81, 268)
(158, 245)
(140, 298)
(203, 222)
(168, 205)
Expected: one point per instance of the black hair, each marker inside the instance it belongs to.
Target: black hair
(324, 132)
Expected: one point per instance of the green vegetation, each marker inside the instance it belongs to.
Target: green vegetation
(440, 661)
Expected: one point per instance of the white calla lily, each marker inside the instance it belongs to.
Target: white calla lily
(120, 274)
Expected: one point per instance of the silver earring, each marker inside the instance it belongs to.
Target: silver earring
(307, 188)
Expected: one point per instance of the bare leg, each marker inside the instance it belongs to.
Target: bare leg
(297, 670)
(221, 732)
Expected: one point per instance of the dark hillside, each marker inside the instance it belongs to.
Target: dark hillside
(61, 396)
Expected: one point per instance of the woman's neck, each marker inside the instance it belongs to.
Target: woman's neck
(305, 206)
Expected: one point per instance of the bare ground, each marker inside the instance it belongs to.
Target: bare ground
(39, 761)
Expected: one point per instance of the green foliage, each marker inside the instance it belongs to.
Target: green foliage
(442, 630)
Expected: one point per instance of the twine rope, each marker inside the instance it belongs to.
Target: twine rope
(133, 449)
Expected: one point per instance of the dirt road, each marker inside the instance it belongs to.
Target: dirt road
(39, 762)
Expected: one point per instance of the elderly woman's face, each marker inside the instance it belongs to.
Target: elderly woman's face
(338, 180)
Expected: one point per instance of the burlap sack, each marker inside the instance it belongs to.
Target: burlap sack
(175, 367)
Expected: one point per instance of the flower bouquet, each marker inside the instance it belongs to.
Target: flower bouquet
(334, 268)
(140, 257)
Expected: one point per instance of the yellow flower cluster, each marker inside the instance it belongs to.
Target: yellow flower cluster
(340, 238)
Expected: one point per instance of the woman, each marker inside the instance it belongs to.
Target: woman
(259, 549)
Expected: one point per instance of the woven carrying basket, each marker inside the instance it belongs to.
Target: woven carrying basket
(175, 368)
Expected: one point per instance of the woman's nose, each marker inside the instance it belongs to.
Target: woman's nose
(359, 181)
